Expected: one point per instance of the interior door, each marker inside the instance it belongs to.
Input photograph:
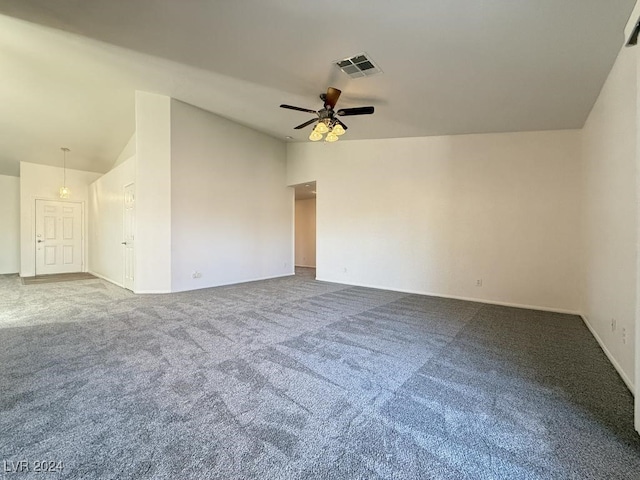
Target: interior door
(129, 239)
(58, 237)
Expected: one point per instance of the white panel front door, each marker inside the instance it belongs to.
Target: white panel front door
(129, 225)
(58, 237)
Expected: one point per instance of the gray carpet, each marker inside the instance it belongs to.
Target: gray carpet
(294, 378)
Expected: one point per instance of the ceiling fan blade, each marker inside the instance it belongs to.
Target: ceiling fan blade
(333, 94)
(340, 123)
(291, 107)
(345, 112)
(302, 125)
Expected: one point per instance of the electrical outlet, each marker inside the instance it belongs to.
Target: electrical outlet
(479, 282)
(196, 274)
(613, 324)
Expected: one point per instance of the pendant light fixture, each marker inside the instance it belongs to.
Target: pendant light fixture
(65, 192)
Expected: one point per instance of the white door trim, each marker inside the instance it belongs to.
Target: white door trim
(128, 239)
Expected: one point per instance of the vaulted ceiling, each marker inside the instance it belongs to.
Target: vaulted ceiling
(70, 67)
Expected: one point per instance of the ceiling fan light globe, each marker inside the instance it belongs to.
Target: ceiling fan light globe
(332, 137)
(338, 130)
(315, 136)
(321, 128)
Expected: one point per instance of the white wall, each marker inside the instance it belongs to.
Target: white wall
(231, 210)
(305, 233)
(434, 215)
(610, 215)
(106, 222)
(44, 182)
(10, 224)
(153, 194)
(127, 152)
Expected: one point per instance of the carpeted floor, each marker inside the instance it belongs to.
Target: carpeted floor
(294, 378)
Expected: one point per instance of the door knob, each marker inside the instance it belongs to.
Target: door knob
(40, 241)
(123, 243)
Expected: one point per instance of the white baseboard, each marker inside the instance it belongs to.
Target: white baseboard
(508, 304)
(611, 358)
(152, 292)
(160, 292)
(269, 277)
(458, 297)
(306, 266)
(257, 279)
(95, 274)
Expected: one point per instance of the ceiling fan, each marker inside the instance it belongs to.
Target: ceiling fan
(326, 118)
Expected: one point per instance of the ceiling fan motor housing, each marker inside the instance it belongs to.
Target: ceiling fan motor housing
(327, 114)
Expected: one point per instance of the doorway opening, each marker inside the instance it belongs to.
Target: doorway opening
(305, 229)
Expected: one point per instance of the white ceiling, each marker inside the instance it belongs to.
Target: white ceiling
(450, 66)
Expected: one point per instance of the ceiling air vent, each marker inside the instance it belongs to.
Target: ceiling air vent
(358, 66)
